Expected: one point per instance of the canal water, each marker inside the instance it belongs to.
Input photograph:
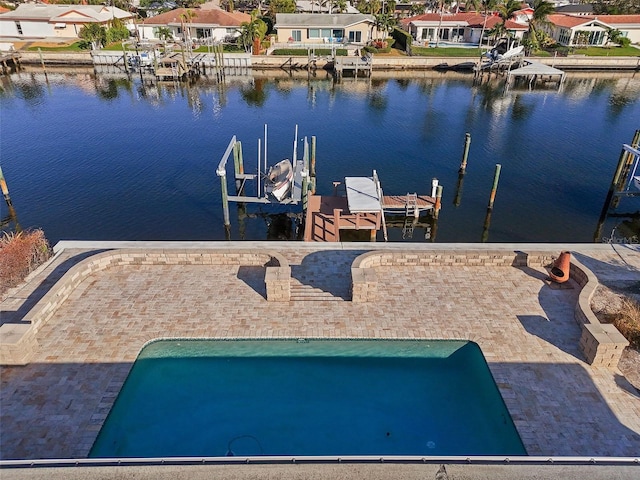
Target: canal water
(105, 158)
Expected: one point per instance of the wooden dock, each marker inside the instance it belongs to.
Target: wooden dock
(9, 61)
(327, 215)
(353, 64)
(409, 204)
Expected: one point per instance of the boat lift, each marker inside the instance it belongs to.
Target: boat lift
(302, 181)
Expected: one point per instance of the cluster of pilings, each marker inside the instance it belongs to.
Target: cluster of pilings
(621, 183)
(494, 188)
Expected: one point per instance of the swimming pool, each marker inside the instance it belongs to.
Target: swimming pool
(308, 397)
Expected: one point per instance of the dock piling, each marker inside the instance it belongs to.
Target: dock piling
(438, 205)
(456, 200)
(5, 190)
(494, 188)
(465, 154)
(312, 173)
(44, 69)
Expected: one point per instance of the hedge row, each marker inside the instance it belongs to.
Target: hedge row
(303, 52)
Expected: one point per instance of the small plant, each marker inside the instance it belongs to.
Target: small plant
(20, 254)
(627, 320)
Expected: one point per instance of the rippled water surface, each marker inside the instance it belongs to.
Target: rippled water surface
(89, 157)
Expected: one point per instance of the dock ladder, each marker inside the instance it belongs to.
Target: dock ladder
(411, 206)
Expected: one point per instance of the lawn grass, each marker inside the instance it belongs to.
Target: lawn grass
(74, 47)
(445, 52)
(608, 52)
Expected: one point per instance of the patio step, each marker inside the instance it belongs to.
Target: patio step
(301, 293)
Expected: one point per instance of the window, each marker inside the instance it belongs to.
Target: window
(337, 34)
(355, 37)
(563, 39)
(325, 33)
(19, 28)
(314, 33)
(296, 35)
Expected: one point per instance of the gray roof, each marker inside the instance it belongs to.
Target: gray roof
(334, 20)
(580, 8)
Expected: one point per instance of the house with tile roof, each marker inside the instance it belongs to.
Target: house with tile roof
(572, 30)
(36, 21)
(204, 23)
(456, 27)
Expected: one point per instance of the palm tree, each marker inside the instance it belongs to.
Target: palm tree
(164, 33)
(505, 12)
(94, 33)
(186, 17)
(384, 23)
(486, 6)
(339, 5)
(442, 4)
(252, 31)
(541, 9)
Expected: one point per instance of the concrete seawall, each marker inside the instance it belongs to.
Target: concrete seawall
(574, 62)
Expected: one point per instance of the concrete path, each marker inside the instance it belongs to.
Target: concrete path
(55, 406)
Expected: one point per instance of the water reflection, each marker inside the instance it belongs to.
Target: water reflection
(409, 128)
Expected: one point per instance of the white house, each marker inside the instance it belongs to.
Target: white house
(325, 28)
(456, 27)
(593, 30)
(33, 21)
(199, 23)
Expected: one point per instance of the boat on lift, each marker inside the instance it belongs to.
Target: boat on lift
(279, 179)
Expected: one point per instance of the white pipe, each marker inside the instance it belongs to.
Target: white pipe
(259, 168)
(434, 187)
(265, 148)
(295, 148)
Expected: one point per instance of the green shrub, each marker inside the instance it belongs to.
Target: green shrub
(303, 52)
(402, 39)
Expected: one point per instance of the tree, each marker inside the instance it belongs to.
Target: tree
(94, 33)
(252, 31)
(185, 18)
(281, 6)
(616, 7)
(541, 9)
(384, 23)
(615, 36)
(418, 8)
(505, 12)
(340, 6)
(164, 33)
(486, 6)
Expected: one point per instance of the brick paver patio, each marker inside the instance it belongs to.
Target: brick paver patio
(55, 406)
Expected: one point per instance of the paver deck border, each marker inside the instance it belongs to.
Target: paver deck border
(602, 344)
(19, 340)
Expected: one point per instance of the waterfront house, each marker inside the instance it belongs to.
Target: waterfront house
(580, 30)
(457, 27)
(197, 24)
(319, 29)
(63, 22)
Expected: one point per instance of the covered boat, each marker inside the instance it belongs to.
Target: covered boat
(279, 178)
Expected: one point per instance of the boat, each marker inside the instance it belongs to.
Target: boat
(279, 179)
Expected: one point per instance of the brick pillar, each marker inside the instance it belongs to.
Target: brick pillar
(602, 344)
(364, 285)
(278, 283)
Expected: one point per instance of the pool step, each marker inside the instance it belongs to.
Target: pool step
(309, 293)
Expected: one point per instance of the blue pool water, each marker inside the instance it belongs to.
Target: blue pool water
(317, 397)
